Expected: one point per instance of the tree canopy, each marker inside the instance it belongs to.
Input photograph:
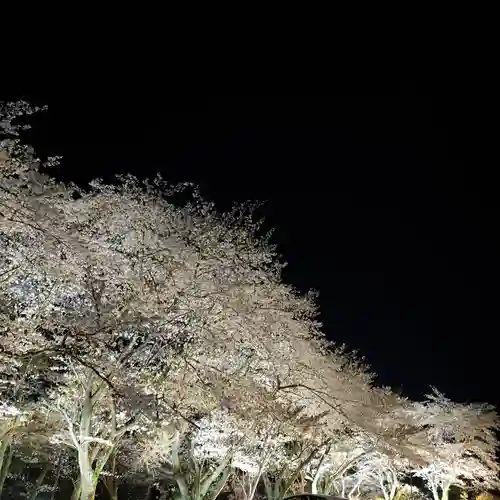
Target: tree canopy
(154, 345)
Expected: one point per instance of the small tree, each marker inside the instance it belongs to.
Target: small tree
(379, 471)
(462, 444)
(328, 473)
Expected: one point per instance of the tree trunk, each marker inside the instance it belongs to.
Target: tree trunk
(88, 479)
(314, 485)
(183, 488)
(4, 446)
(255, 483)
(356, 487)
(389, 484)
(5, 463)
(393, 491)
(435, 494)
(87, 488)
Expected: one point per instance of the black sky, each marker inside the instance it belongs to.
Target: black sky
(381, 199)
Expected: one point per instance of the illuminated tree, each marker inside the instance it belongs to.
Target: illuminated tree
(142, 338)
(327, 473)
(119, 302)
(377, 471)
(463, 444)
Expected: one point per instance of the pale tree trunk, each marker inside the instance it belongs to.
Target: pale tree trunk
(435, 494)
(86, 479)
(389, 484)
(253, 482)
(343, 488)
(314, 484)
(315, 479)
(86, 485)
(394, 488)
(183, 487)
(176, 468)
(389, 494)
(445, 490)
(87, 482)
(84, 488)
(271, 489)
(87, 476)
(355, 487)
(221, 475)
(278, 489)
(202, 483)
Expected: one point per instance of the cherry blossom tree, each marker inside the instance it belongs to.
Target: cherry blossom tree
(327, 473)
(130, 303)
(173, 454)
(462, 444)
(141, 337)
(26, 446)
(378, 471)
(123, 297)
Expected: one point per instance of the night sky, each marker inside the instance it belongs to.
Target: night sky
(381, 200)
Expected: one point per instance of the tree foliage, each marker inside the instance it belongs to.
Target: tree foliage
(146, 341)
